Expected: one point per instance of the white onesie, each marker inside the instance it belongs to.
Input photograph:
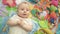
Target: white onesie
(17, 29)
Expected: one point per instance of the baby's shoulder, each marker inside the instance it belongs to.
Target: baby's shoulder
(14, 18)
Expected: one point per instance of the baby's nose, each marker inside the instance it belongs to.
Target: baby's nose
(24, 11)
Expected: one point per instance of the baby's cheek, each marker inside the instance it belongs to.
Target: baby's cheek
(22, 12)
(28, 13)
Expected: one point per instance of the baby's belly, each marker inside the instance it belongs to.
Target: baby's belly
(17, 30)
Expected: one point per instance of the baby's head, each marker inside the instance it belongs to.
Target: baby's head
(23, 9)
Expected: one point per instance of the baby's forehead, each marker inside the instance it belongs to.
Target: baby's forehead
(24, 4)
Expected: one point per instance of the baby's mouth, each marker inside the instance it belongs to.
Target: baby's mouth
(24, 14)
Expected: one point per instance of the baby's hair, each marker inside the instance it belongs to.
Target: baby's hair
(24, 3)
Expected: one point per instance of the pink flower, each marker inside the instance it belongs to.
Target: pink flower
(10, 3)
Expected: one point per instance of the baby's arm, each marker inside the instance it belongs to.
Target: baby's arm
(12, 22)
(26, 26)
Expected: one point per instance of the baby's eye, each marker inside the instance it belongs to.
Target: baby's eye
(27, 9)
(22, 9)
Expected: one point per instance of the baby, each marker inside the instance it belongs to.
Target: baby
(20, 23)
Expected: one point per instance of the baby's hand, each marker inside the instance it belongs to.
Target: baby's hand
(25, 26)
(20, 22)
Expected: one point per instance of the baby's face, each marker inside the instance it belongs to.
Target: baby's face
(23, 10)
